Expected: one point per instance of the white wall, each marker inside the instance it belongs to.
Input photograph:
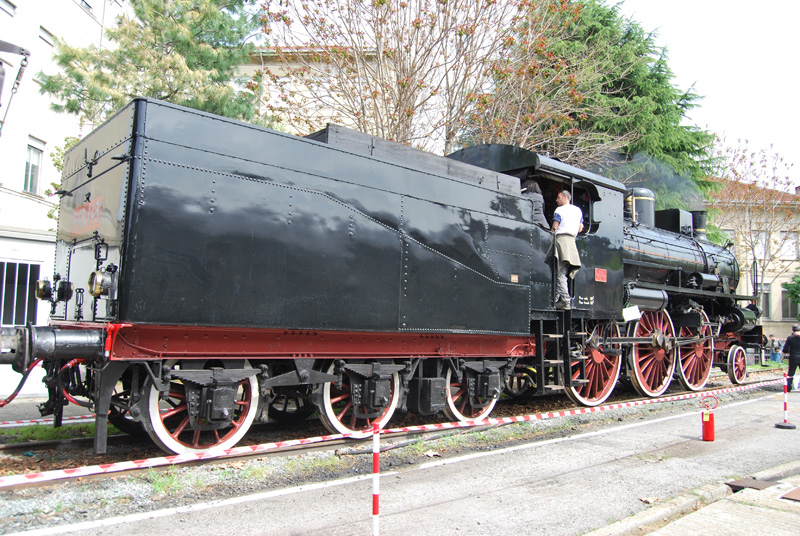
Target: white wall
(30, 249)
(26, 233)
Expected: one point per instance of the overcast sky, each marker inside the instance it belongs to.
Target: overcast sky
(742, 56)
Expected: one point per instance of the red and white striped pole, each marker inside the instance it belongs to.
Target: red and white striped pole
(376, 474)
(786, 425)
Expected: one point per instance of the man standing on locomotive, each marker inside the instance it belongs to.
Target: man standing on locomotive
(567, 223)
(792, 347)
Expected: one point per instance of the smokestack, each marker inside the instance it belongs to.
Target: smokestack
(699, 224)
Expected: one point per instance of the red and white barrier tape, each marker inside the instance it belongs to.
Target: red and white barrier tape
(26, 422)
(60, 474)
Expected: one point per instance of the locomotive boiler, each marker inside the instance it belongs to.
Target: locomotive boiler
(209, 272)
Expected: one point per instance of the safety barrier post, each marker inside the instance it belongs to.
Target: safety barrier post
(376, 472)
(786, 425)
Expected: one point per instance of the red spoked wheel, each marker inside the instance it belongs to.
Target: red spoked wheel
(290, 405)
(696, 357)
(522, 383)
(168, 423)
(652, 364)
(602, 370)
(119, 414)
(460, 406)
(340, 415)
(737, 364)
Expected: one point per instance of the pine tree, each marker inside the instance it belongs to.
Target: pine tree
(592, 89)
(181, 51)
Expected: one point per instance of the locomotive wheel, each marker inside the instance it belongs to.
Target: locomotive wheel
(340, 416)
(290, 406)
(696, 358)
(737, 364)
(169, 418)
(123, 422)
(522, 383)
(602, 370)
(118, 414)
(652, 364)
(458, 405)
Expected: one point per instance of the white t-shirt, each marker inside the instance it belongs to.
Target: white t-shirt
(569, 218)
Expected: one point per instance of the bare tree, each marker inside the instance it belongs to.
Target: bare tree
(405, 71)
(436, 74)
(755, 203)
(546, 89)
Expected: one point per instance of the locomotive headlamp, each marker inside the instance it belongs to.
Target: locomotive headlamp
(99, 283)
(64, 291)
(43, 290)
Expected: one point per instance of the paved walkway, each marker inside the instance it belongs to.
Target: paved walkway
(716, 510)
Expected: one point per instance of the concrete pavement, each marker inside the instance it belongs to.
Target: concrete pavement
(625, 478)
(715, 510)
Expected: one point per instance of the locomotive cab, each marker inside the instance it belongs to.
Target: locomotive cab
(595, 287)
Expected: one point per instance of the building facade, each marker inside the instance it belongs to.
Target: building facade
(763, 225)
(31, 132)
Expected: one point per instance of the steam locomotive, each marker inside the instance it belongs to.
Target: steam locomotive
(210, 272)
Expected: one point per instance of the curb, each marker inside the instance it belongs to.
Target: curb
(688, 502)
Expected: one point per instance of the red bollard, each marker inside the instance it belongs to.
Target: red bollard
(708, 426)
(708, 418)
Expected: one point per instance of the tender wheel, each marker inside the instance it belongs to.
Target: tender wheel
(737, 364)
(602, 370)
(458, 405)
(118, 414)
(169, 418)
(697, 357)
(338, 413)
(652, 364)
(522, 383)
(290, 406)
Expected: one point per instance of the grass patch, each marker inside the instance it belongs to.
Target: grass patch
(417, 448)
(165, 482)
(255, 472)
(24, 434)
(309, 464)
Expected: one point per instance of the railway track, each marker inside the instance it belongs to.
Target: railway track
(35, 464)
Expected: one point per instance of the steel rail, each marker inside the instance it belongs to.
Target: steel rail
(331, 441)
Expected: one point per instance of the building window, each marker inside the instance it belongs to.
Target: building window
(766, 304)
(789, 309)
(47, 37)
(17, 302)
(32, 166)
(760, 245)
(8, 7)
(789, 249)
(731, 234)
(732, 237)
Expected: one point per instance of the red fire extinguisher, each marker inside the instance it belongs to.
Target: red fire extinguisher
(708, 416)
